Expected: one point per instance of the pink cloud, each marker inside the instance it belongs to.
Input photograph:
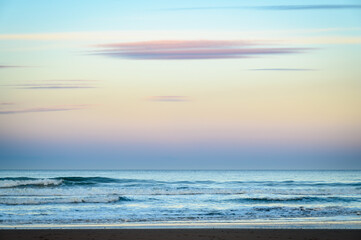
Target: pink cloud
(193, 49)
(176, 44)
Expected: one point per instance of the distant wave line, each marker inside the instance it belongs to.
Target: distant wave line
(11, 182)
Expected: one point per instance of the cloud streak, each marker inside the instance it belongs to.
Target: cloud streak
(190, 49)
(275, 7)
(46, 109)
(6, 103)
(56, 87)
(176, 44)
(66, 85)
(10, 66)
(311, 7)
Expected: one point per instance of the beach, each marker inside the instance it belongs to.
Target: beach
(182, 234)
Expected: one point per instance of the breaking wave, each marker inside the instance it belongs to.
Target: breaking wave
(72, 181)
(52, 200)
(22, 182)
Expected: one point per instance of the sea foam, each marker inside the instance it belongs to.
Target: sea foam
(30, 182)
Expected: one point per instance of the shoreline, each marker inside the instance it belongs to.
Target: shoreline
(182, 234)
(271, 224)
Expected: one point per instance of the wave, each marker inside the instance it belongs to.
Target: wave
(271, 212)
(305, 199)
(192, 192)
(74, 180)
(87, 180)
(21, 182)
(298, 183)
(302, 211)
(71, 181)
(121, 215)
(95, 191)
(39, 201)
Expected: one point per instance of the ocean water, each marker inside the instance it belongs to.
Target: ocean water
(126, 198)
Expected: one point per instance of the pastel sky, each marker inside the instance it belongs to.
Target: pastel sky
(198, 84)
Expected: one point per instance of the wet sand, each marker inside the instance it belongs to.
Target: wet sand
(182, 234)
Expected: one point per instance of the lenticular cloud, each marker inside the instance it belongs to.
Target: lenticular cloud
(190, 49)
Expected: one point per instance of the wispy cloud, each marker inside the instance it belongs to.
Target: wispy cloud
(274, 7)
(11, 66)
(46, 109)
(168, 99)
(282, 69)
(190, 49)
(6, 103)
(55, 87)
(312, 7)
(56, 84)
(175, 44)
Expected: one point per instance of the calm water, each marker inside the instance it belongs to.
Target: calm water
(118, 197)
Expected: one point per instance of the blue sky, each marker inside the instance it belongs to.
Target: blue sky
(95, 15)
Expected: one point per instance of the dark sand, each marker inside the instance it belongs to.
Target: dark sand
(182, 234)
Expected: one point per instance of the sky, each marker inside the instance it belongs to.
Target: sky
(111, 84)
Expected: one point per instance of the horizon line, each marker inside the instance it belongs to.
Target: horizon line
(170, 169)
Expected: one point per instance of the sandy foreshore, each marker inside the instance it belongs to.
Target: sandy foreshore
(181, 234)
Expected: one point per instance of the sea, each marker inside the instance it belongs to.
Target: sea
(176, 198)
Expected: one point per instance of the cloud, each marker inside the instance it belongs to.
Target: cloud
(282, 69)
(6, 103)
(10, 66)
(168, 99)
(175, 44)
(191, 49)
(47, 109)
(66, 85)
(311, 7)
(56, 87)
(276, 7)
